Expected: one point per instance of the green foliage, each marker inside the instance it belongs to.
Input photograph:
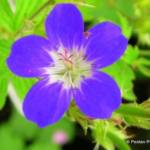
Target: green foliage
(134, 110)
(22, 127)
(126, 27)
(14, 25)
(63, 125)
(136, 115)
(143, 65)
(124, 76)
(3, 93)
(120, 143)
(6, 142)
(14, 133)
(4, 72)
(22, 85)
(6, 16)
(138, 122)
(100, 10)
(111, 133)
(131, 55)
(75, 115)
(23, 20)
(107, 135)
(117, 11)
(125, 7)
(30, 130)
(25, 10)
(41, 146)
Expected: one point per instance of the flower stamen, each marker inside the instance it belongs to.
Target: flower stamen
(69, 68)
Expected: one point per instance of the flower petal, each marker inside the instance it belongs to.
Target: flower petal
(64, 26)
(105, 44)
(29, 54)
(46, 103)
(98, 96)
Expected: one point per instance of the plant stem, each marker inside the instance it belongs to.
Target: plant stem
(12, 5)
(96, 147)
(14, 98)
(145, 52)
(41, 8)
(46, 4)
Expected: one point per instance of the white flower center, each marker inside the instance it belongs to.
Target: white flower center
(69, 67)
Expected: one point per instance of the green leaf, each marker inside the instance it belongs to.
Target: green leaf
(100, 132)
(4, 72)
(46, 134)
(120, 143)
(22, 85)
(8, 140)
(137, 122)
(125, 7)
(38, 21)
(101, 10)
(25, 10)
(88, 12)
(124, 76)
(144, 70)
(109, 136)
(75, 115)
(42, 146)
(146, 104)
(133, 110)
(3, 88)
(136, 114)
(145, 53)
(125, 26)
(23, 128)
(108, 10)
(131, 54)
(6, 15)
(144, 61)
(3, 82)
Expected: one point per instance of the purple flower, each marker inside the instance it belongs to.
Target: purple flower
(67, 63)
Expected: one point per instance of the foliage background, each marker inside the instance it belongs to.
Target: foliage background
(131, 72)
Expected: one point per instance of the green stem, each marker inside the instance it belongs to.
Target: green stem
(14, 98)
(96, 147)
(45, 5)
(41, 9)
(145, 71)
(145, 52)
(143, 61)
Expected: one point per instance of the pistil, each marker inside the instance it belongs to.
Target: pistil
(69, 67)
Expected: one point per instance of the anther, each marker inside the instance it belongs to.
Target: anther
(87, 34)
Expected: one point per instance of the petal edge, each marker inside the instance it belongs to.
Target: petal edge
(98, 96)
(46, 103)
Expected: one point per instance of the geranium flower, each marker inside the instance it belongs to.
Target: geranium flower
(67, 63)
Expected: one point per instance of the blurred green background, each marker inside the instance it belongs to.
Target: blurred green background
(132, 73)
